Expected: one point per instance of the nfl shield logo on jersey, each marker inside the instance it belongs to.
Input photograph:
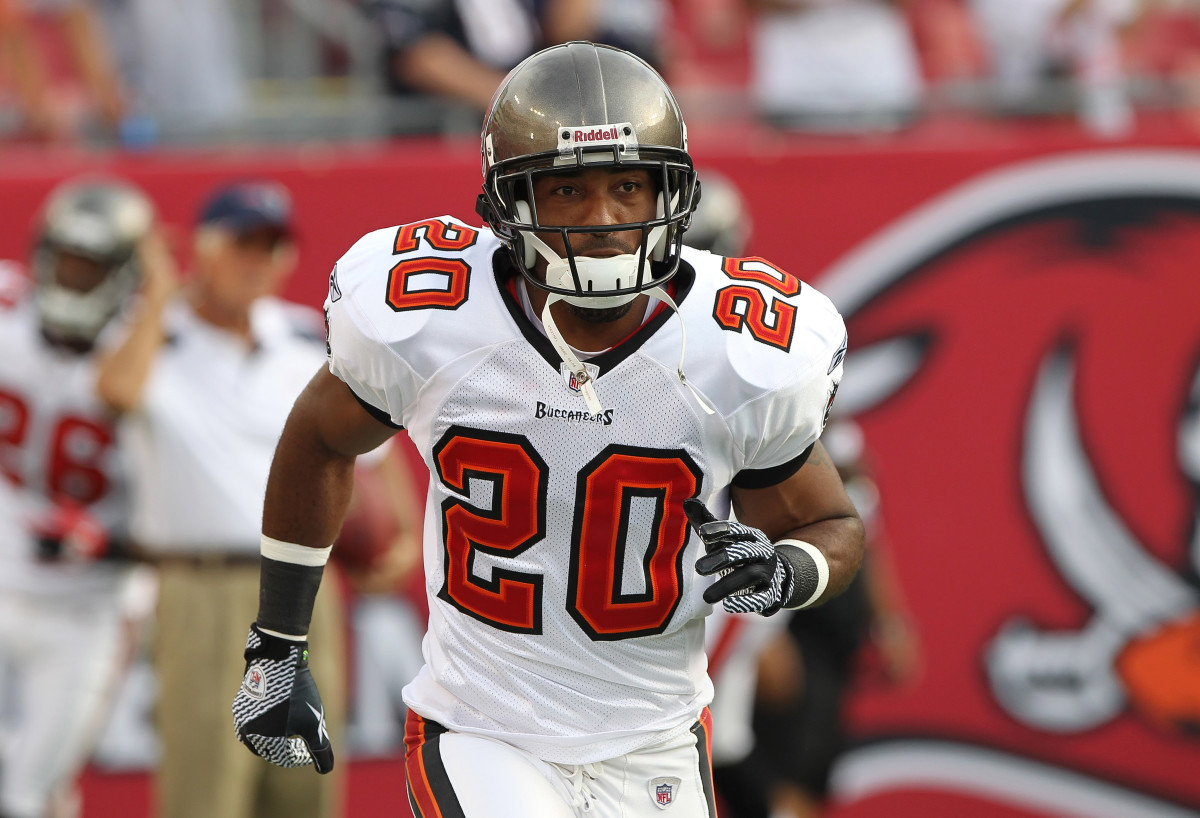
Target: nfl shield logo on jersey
(663, 790)
(572, 380)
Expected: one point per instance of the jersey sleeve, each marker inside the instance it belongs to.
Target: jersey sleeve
(358, 353)
(779, 428)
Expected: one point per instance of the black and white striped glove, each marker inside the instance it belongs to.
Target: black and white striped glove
(277, 711)
(753, 577)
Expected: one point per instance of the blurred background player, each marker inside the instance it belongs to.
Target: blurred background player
(67, 613)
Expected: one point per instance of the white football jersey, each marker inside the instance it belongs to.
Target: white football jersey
(565, 611)
(56, 442)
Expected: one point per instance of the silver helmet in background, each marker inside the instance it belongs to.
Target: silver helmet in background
(721, 223)
(583, 105)
(101, 222)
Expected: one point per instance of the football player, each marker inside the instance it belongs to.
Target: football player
(580, 478)
(65, 616)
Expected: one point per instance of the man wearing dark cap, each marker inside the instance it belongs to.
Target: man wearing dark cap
(203, 383)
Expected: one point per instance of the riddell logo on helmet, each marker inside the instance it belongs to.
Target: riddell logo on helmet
(608, 134)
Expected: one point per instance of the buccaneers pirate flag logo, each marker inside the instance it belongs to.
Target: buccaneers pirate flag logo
(1026, 351)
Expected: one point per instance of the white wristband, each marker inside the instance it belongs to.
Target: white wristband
(281, 551)
(822, 569)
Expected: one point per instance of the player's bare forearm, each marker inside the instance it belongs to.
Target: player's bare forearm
(811, 505)
(312, 473)
(95, 64)
(437, 64)
(20, 58)
(567, 20)
(308, 490)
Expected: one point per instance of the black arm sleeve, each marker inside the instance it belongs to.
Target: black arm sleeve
(286, 595)
(804, 572)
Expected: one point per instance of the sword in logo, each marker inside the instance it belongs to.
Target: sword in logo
(1066, 681)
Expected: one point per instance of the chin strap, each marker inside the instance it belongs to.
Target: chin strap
(582, 376)
(662, 295)
(612, 272)
(586, 385)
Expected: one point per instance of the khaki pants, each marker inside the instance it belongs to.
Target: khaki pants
(204, 614)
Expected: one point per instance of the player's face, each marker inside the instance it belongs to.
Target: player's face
(78, 273)
(595, 196)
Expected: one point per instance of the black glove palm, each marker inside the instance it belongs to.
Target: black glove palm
(277, 711)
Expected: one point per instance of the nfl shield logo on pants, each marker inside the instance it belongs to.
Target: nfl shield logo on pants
(663, 791)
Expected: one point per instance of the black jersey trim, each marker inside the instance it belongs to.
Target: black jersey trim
(764, 478)
(504, 269)
(375, 412)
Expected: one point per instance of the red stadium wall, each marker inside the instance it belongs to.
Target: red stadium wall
(1024, 337)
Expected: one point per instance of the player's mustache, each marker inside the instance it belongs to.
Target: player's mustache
(598, 241)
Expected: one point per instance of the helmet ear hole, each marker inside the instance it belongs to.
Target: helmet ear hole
(525, 215)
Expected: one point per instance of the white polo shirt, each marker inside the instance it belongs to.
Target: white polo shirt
(212, 411)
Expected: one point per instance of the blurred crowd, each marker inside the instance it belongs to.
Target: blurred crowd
(133, 73)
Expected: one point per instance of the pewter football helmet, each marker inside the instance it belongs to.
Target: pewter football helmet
(99, 220)
(586, 105)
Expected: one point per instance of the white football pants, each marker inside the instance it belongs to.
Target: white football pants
(458, 775)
